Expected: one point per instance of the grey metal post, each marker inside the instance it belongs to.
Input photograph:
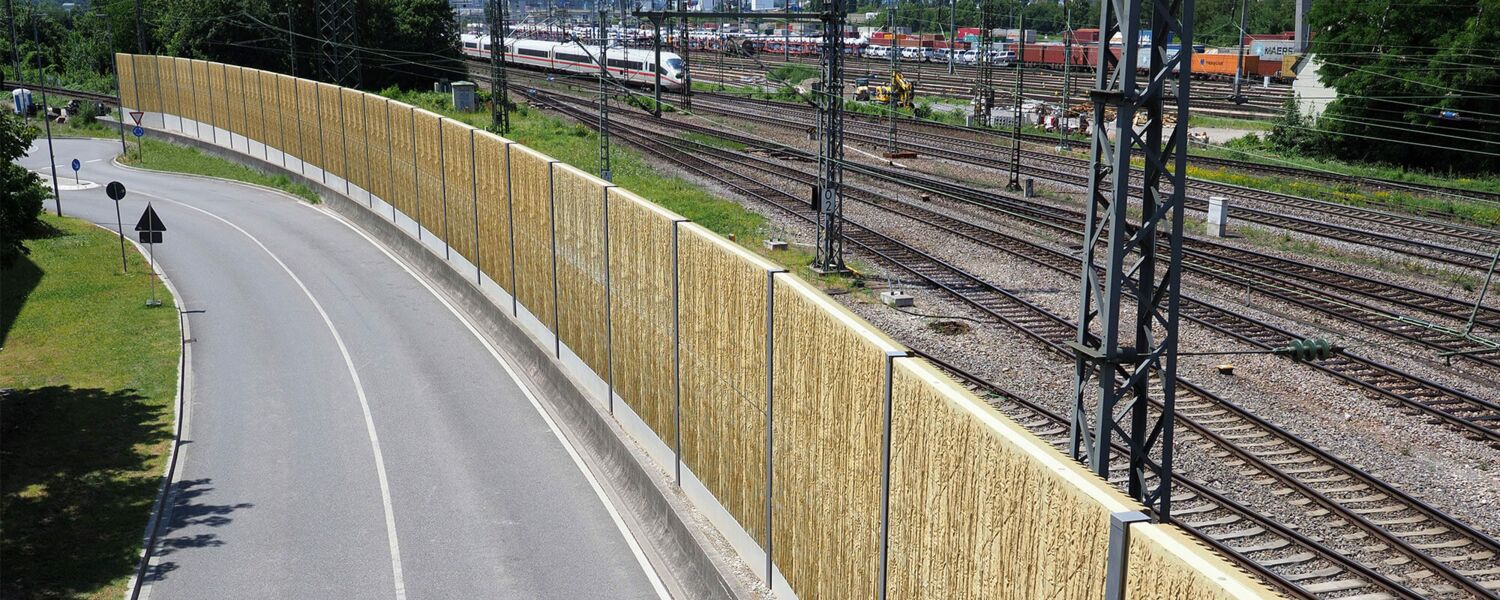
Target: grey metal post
(770, 418)
(213, 127)
(244, 109)
(473, 195)
(390, 156)
(676, 359)
(1483, 290)
(15, 47)
(197, 118)
(136, 79)
(552, 221)
(952, 32)
(890, 21)
(510, 225)
(343, 143)
(119, 96)
(323, 146)
(609, 325)
(1239, 59)
(885, 470)
(443, 191)
(281, 121)
(265, 137)
(656, 27)
(302, 152)
(1119, 552)
(1067, 89)
(416, 175)
(364, 111)
(41, 77)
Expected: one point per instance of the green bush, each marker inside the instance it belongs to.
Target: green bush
(21, 191)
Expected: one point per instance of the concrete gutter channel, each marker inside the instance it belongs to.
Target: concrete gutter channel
(690, 558)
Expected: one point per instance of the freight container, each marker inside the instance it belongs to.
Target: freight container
(1272, 49)
(1222, 66)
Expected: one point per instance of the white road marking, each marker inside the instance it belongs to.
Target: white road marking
(364, 404)
(614, 514)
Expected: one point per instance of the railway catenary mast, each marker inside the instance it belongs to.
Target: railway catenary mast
(830, 252)
(602, 58)
(1067, 88)
(336, 28)
(1119, 376)
(890, 23)
(1015, 124)
(984, 82)
(499, 88)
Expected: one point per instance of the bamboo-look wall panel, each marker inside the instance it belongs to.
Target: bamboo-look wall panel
(493, 177)
(531, 192)
(125, 79)
(403, 175)
(378, 115)
(356, 137)
(331, 118)
(289, 116)
(458, 186)
(166, 69)
(186, 107)
(982, 508)
(828, 402)
(579, 209)
(429, 144)
(234, 87)
(148, 88)
(722, 297)
(1167, 564)
(255, 125)
(640, 283)
(307, 123)
(218, 91)
(270, 114)
(201, 100)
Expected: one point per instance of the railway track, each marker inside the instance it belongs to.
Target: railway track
(1400, 543)
(1198, 161)
(1073, 172)
(1474, 416)
(1041, 84)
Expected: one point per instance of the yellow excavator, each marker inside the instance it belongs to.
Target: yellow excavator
(881, 94)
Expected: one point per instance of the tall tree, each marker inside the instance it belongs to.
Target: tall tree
(1418, 81)
(21, 191)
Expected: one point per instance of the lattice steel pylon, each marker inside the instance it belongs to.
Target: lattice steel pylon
(1015, 126)
(984, 80)
(338, 35)
(605, 172)
(830, 94)
(1122, 379)
(496, 13)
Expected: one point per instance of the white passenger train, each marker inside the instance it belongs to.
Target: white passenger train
(629, 65)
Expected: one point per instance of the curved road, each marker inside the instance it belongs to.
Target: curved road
(347, 434)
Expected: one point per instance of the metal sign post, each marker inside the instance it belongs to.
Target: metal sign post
(116, 191)
(76, 166)
(140, 144)
(150, 228)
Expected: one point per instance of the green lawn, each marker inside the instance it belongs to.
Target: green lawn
(163, 156)
(85, 431)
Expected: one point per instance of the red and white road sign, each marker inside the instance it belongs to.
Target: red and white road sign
(135, 114)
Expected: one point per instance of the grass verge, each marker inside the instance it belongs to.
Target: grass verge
(85, 431)
(578, 145)
(163, 156)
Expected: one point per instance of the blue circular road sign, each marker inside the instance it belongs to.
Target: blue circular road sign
(77, 165)
(137, 132)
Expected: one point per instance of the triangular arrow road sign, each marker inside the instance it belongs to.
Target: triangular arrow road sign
(149, 221)
(135, 114)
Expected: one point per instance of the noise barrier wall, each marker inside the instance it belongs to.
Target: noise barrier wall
(861, 471)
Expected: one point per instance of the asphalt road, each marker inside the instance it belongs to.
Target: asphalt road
(348, 436)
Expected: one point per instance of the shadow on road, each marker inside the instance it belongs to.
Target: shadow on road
(188, 511)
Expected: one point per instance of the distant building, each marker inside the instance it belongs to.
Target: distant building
(766, 5)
